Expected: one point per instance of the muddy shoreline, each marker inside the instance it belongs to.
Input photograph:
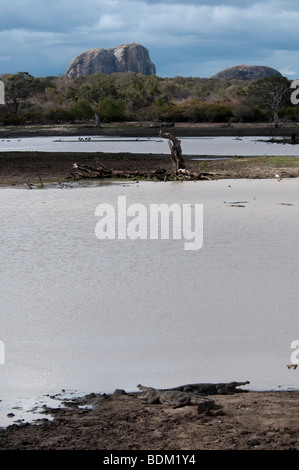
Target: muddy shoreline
(147, 130)
(26, 168)
(19, 168)
(122, 421)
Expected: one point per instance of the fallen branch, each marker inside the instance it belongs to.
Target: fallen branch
(160, 174)
(179, 170)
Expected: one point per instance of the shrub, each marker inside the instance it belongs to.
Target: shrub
(59, 115)
(81, 110)
(289, 112)
(197, 111)
(12, 119)
(111, 110)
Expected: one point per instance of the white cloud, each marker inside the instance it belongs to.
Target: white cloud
(287, 71)
(109, 23)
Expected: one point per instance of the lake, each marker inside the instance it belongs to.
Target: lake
(89, 315)
(204, 146)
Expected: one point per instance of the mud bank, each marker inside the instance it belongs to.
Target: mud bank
(122, 421)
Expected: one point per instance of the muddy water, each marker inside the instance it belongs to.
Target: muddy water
(83, 314)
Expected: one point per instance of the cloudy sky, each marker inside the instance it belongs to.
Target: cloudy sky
(184, 37)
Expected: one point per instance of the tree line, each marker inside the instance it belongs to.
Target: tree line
(101, 98)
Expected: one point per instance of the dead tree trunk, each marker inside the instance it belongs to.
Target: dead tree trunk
(179, 170)
(177, 159)
(97, 119)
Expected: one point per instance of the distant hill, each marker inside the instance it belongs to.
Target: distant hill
(124, 58)
(247, 72)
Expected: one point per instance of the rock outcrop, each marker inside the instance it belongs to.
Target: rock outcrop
(247, 72)
(124, 58)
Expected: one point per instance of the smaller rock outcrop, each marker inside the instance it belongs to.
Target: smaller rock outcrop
(247, 72)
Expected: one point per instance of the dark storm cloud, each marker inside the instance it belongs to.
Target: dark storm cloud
(183, 37)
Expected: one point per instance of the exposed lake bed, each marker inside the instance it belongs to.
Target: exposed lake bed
(31, 155)
(245, 276)
(25, 168)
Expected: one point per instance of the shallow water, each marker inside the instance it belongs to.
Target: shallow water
(204, 146)
(86, 315)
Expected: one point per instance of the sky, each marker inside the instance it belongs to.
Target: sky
(184, 37)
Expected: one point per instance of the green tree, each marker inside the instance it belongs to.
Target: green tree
(271, 93)
(81, 110)
(20, 87)
(140, 91)
(111, 110)
(95, 92)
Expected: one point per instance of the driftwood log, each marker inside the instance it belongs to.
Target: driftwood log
(99, 172)
(179, 170)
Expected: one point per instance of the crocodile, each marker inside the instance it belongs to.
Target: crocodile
(176, 398)
(212, 389)
(209, 388)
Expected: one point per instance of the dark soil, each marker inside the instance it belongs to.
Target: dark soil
(17, 168)
(243, 421)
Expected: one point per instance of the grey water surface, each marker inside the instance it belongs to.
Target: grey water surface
(89, 315)
(202, 146)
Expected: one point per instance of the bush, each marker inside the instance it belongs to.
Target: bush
(11, 119)
(289, 112)
(160, 110)
(59, 115)
(219, 113)
(260, 115)
(197, 111)
(81, 110)
(112, 110)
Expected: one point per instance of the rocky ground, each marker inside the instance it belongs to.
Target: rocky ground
(123, 421)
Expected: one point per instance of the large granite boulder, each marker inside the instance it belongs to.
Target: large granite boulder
(124, 58)
(247, 72)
